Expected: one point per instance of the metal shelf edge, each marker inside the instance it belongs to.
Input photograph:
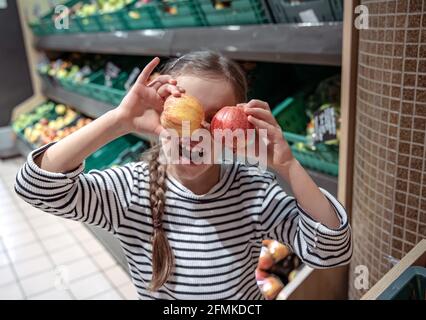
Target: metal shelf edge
(291, 43)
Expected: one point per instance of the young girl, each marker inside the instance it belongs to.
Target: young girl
(189, 231)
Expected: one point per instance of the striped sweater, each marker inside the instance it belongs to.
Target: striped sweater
(216, 237)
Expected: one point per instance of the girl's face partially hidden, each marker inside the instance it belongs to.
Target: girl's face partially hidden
(213, 94)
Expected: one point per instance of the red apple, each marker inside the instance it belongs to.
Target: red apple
(231, 118)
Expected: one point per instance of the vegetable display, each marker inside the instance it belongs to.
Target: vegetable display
(48, 123)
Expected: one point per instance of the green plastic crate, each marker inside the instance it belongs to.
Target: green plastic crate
(47, 26)
(410, 285)
(179, 13)
(132, 154)
(239, 12)
(114, 21)
(144, 17)
(285, 12)
(292, 118)
(74, 27)
(291, 115)
(89, 24)
(321, 160)
(337, 7)
(37, 29)
(99, 91)
(105, 156)
(77, 87)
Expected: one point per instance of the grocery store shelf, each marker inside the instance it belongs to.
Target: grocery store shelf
(90, 107)
(292, 43)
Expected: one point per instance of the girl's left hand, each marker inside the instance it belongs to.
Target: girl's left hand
(260, 115)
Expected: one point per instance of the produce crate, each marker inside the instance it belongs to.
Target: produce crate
(179, 13)
(77, 87)
(35, 115)
(307, 11)
(105, 156)
(292, 118)
(37, 29)
(131, 154)
(410, 285)
(337, 7)
(234, 12)
(291, 115)
(98, 91)
(144, 17)
(322, 159)
(89, 24)
(74, 27)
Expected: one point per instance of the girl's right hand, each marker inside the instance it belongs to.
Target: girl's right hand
(141, 108)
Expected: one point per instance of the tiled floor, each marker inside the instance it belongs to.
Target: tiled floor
(44, 257)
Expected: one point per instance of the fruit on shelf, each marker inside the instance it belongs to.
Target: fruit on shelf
(28, 119)
(54, 123)
(179, 111)
(60, 109)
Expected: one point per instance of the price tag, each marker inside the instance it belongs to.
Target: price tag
(111, 72)
(325, 125)
(132, 78)
(308, 16)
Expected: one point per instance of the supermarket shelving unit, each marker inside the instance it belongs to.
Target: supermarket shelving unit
(315, 44)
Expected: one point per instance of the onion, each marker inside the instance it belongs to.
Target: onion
(179, 109)
(232, 118)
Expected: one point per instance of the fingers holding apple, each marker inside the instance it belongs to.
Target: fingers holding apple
(260, 115)
(141, 108)
(168, 89)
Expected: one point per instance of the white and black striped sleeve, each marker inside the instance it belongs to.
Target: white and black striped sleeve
(318, 246)
(97, 198)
